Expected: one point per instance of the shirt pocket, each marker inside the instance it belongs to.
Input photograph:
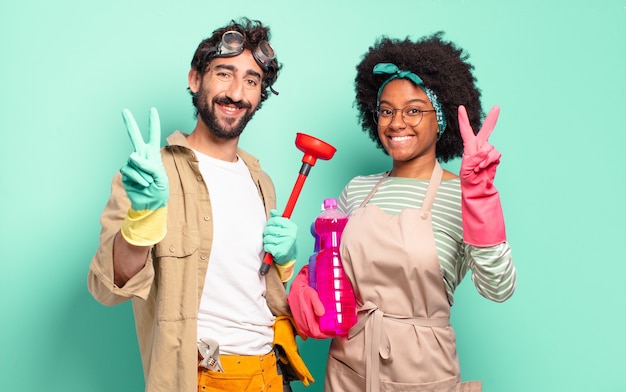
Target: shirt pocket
(176, 266)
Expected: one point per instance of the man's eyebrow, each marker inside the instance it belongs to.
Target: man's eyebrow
(254, 73)
(232, 68)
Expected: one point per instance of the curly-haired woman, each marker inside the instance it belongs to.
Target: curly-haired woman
(415, 230)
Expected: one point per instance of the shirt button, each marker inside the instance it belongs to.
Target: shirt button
(172, 249)
(199, 178)
(423, 215)
(203, 257)
(207, 218)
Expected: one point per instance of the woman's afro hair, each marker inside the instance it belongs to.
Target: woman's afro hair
(444, 69)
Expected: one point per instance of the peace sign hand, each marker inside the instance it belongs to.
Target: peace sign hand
(144, 176)
(483, 221)
(478, 154)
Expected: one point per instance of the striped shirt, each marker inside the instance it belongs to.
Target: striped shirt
(493, 272)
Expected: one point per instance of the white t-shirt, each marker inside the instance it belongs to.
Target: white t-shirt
(233, 309)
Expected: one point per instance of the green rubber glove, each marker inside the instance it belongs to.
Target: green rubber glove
(146, 185)
(279, 238)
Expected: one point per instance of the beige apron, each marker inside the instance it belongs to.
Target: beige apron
(403, 340)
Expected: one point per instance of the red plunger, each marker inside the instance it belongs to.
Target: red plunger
(313, 149)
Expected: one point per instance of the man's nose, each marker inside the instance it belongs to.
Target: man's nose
(235, 90)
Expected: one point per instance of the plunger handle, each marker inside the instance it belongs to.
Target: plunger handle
(313, 148)
(291, 203)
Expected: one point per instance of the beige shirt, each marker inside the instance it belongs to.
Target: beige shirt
(166, 293)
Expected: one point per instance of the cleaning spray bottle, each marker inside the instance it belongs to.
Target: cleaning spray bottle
(333, 286)
(313, 258)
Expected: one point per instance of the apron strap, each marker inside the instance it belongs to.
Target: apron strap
(374, 189)
(433, 186)
(377, 341)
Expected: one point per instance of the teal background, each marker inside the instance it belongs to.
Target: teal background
(557, 68)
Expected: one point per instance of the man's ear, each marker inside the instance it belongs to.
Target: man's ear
(194, 78)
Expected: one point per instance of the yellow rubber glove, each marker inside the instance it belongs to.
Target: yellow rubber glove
(289, 355)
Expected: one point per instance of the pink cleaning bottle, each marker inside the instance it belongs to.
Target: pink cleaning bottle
(313, 258)
(333, 286)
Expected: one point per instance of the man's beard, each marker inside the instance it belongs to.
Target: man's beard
(234, 126)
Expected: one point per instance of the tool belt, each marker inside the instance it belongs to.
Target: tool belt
(290, 364)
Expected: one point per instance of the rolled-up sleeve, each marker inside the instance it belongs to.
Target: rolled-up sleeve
(100, 281)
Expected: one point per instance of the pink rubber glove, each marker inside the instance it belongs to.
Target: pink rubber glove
(483, 222)
(306, 306)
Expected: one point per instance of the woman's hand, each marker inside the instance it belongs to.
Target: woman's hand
(483, 223)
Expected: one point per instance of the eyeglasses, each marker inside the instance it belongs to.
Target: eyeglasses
(232, 45)
(411, 115)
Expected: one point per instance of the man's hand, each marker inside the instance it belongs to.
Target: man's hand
(279, 238)
(146, 184)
